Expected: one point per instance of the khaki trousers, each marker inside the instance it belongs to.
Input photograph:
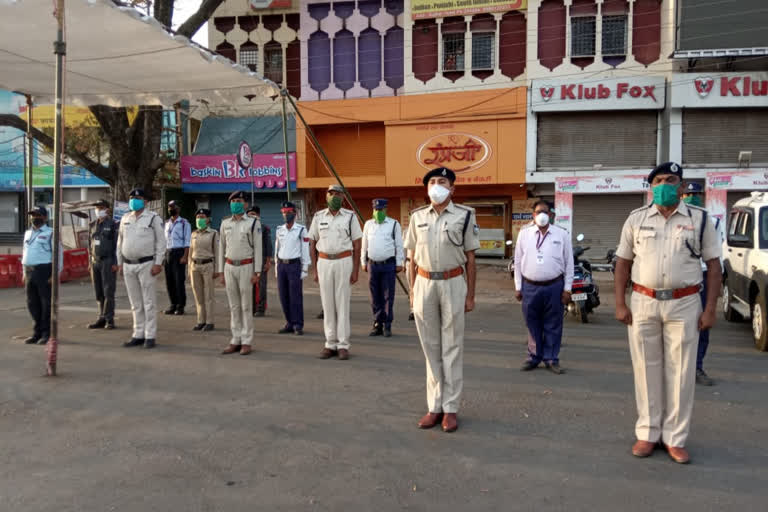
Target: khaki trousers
(201, 277)
(142, 293)
(438, 309)
(335, 290)
(239, 293)
(663, 339)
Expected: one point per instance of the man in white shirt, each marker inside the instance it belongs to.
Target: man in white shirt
(543, 279)
(292, 263)
(382, 258)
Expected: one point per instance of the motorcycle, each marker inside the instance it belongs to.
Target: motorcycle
(585, 294)
(610, 259)
(511, 264)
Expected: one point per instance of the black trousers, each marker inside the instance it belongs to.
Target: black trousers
(38, 288)
(175, 274)
(104, 281)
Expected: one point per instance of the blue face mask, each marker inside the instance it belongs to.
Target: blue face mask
(236, 208)
(136, 204)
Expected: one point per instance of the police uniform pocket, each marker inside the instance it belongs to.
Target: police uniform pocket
(647, 242)
(454, 233)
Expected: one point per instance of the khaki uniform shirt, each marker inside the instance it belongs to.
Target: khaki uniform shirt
(439, 242)
(241, 240)
(659, 247)
(204, 245)
(335, 233)
(141, 236)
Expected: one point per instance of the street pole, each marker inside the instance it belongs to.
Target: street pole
(60, 49)
(283, 94)
(30, 158)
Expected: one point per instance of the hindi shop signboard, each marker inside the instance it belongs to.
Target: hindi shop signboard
(425, 9)
(719, 183)
(716, 90)
(267, 170)
(630, 93)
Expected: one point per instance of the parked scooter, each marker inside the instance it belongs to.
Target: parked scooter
(511, 265)
(585, 296)
(610, 259)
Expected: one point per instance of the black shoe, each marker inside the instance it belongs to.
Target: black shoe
(43, 340)
(298, 332)
(98, 324)
(179, 312)
(31, 340)
(110, 326)
(208, 327)
(410, 316)
(528, 366)
(555, 368)
(321, 315)
(703, 379)
(149, 343)
(285, 330)
(387, 332)
(376, 331)
(198, 327)
(258, 313)
(170, 311)
(135, 342)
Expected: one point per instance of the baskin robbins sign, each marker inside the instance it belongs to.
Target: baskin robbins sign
(267, 171)
(630, 93)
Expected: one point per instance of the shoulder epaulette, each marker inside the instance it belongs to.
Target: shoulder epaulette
(419, 208)
(464, 207)
(642, 208)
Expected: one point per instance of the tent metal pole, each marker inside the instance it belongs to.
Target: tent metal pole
(60, 49)
(30, 199)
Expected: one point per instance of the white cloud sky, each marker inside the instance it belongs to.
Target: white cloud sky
(183, 10)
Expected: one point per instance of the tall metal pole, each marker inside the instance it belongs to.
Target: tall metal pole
(60, 49)
(283, 94)
(30, 157)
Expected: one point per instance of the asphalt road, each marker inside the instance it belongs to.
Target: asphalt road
(182, 428)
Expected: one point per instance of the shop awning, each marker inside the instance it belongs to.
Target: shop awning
(115, 56)
(222, 135)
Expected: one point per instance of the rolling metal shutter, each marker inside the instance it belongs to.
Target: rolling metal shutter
(600, 217)
(716, 135)
(615, 139)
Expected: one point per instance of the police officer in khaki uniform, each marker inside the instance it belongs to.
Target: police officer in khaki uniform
(335, 242)
(664, 244)
(202, 268)
(140, 253)
(241, 263)
(442, 239)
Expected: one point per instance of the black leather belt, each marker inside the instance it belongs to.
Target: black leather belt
(384, 262)
(543, 283)
(33, 267)
(203, 262)
(289, 262)
(138, 261)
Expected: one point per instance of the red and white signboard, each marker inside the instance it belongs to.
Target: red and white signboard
(566, 186)
(692, 90)
(631, 93)
(719, 183)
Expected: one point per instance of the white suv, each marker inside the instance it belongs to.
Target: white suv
(745, 275)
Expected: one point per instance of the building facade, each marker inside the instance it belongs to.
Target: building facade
(594, 86)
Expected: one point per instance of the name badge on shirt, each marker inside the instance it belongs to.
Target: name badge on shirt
(539, 259)
(97, 242)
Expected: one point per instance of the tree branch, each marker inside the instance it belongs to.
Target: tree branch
(190, 27)
(80, 159)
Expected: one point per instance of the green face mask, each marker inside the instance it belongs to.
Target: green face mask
(201, 223)
(695, 200)
(379, 215)
(334, 202)
(665, 194)
(237, 208)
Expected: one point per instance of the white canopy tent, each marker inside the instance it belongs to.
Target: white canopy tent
(115, 56)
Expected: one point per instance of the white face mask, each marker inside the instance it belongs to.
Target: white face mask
(438, 194)
(101, 213)
(541, 219)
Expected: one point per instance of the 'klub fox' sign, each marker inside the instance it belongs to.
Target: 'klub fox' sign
(598, 94)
